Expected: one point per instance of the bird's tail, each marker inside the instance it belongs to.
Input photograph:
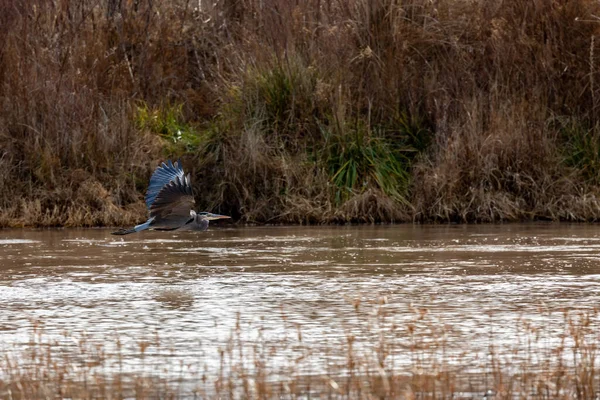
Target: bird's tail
(136, 228)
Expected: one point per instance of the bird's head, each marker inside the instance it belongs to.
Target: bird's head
(211, 216)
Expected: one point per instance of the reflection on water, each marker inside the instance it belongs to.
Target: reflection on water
(190, 287)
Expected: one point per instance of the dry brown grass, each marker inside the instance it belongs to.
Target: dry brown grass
(464, 93)
(378, 358)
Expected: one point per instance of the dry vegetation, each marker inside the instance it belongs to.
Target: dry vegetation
(381, 359)
(312, 111)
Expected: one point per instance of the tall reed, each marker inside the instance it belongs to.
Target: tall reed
(378, 357)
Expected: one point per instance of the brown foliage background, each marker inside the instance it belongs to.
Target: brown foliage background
(492, 105)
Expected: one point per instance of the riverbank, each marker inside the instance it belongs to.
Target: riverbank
(320, 112)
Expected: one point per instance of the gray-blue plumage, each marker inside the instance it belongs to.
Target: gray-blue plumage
(161, 177)
(169, 199)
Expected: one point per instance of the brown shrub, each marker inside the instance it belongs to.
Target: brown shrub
(264, 77)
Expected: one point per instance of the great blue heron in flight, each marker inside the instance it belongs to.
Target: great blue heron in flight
(169, 199)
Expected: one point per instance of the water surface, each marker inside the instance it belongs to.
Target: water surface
(191, 288)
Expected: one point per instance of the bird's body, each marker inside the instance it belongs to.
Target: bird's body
(169, 200)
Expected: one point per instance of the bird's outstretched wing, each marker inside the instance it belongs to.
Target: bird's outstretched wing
(162, 176)
(172, 205)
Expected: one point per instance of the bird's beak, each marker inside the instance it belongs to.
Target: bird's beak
(212, 217)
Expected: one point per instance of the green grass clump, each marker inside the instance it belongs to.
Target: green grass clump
(280, 98)
(581, 148)
(356, 160)
(168, 122)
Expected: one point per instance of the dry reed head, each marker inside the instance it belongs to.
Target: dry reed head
(378, 357)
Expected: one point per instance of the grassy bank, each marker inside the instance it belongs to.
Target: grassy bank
(380, 360)
(301, 112)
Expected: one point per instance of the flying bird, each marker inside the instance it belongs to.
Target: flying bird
(169, 200)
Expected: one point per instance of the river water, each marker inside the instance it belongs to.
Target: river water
(472, 285)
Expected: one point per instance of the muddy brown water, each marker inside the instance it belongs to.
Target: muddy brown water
(190, 288)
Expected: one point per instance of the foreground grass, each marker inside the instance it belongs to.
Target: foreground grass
(304, 112)
(385, 360)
